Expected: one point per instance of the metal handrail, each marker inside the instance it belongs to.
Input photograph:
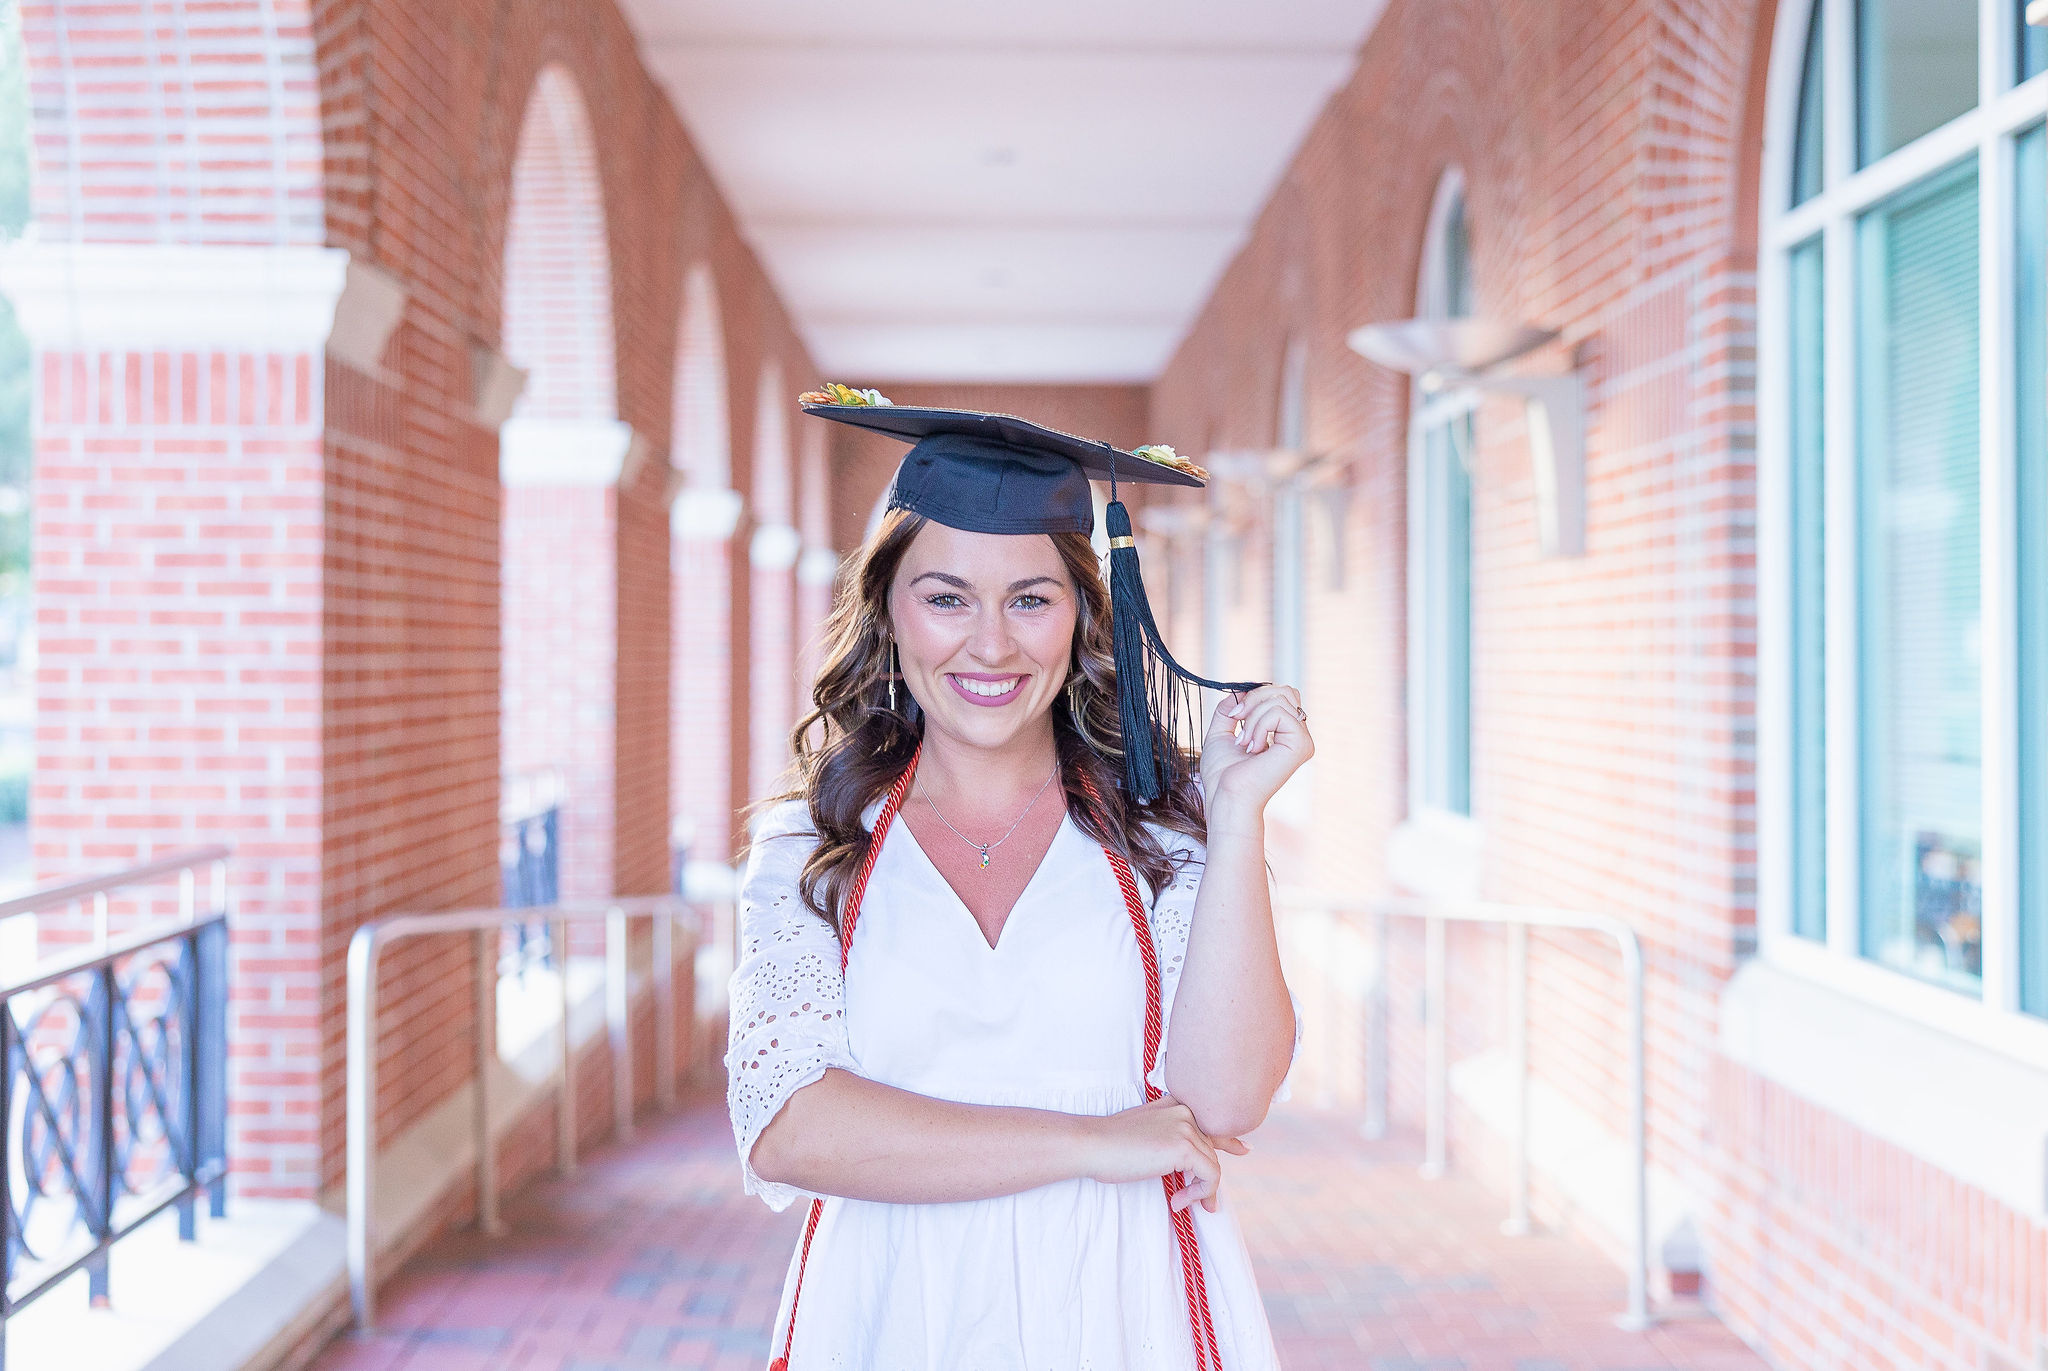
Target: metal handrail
(1518, 920)
(188, 1095)
(184, 863)
(486, 926)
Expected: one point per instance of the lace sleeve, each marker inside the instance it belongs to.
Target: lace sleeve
(786, 1025)
(1173, 917)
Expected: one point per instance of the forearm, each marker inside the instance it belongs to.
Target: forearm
(1233, 1024)
(846, 1135)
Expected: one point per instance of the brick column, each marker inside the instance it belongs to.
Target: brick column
(178, 582)
(701, 525)
(560, 625)
(772, 554)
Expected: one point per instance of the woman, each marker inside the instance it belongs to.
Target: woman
(972, 958)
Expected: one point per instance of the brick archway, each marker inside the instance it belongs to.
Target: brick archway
(702, 520)
(560, 457)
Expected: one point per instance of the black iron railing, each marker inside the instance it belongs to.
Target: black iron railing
(113, 1086)
(530, 862)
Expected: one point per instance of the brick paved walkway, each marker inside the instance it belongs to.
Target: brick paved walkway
(652, 1260)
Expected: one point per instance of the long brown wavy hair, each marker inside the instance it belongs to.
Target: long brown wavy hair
(852, 746)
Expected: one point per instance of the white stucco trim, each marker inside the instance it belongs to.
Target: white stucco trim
(1436, 854)
(563, 452)
(144, 297)
(1975, 1113)
(705, 512)
(372, 302)
(819, 566)
(774, 547)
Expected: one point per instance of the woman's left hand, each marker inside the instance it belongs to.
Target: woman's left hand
(1255, 742)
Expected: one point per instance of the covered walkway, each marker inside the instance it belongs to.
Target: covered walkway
(652, 1258)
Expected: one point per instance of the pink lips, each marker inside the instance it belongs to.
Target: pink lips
(953, 679)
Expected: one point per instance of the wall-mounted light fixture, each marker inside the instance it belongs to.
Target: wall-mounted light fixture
(1464, 354)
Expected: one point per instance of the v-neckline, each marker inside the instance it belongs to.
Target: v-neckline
(1030, 882)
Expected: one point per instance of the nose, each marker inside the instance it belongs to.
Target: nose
(992, 643)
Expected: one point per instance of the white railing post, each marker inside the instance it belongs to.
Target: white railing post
(665, 1012)
(565, 1074)
(1436, 1147)
(1517, 1224)
(486, 1063)
(617, 1020)
(1637, 1316)
(1518, 919)
(486, 927)
(362, 1104)
(1378, 1061)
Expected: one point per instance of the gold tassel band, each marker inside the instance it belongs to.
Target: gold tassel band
(1123, 542)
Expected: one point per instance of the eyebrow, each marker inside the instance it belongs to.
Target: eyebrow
(959, 584)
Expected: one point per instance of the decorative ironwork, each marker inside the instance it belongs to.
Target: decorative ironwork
(530, 863)
(113, 1101)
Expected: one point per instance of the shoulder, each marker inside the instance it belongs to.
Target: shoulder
(783, 819)
(780, 834)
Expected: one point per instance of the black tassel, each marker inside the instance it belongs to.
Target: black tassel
(1155, 702)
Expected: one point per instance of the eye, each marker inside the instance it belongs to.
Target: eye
(945, 599)
(1028, 601)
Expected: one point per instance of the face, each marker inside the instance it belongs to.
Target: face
(984, 623)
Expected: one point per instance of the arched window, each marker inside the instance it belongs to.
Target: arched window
(1440, 445)
(1290, 533)
(1903, 500)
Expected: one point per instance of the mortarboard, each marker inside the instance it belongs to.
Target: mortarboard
(996, 473)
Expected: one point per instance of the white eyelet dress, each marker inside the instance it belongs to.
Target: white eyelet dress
(1074, 1276)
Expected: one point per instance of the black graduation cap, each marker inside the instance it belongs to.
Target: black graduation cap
(996, 473)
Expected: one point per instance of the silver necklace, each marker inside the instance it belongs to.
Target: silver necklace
(986, 848)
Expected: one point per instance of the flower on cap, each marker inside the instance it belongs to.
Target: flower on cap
(1167, 457)
(836, 394)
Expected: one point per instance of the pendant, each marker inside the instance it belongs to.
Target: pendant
(984, 859)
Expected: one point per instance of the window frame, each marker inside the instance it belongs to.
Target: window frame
(2005, 109)
(1290, 522)
(1429, 411)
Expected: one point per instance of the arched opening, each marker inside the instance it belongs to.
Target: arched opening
(560, 456)
(701, 523)
(818, 565)
(772, 556)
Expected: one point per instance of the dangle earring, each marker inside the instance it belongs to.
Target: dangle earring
(1074, 698)
(892, 675)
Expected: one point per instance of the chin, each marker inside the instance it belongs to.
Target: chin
(990, 728)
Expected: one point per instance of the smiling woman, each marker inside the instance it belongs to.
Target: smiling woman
(974, 1090)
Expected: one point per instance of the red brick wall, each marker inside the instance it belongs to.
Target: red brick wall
(175, 123)
(560, 576)
(1610, 157)
(178, 609)
(271, 588)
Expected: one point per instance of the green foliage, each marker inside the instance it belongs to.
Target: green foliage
(14, 123)
(16, 452)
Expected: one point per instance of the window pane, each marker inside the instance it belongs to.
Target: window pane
(1457, 263)
(1918, 611)
(1808, 140)
(1447, 621)
(1808, 596)
(1916, 69)
(2030, 266)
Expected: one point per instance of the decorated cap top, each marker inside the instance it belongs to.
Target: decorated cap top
(997, 473)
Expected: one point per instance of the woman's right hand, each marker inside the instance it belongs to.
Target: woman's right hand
(1158, 1139)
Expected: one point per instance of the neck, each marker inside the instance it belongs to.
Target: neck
(949, 767)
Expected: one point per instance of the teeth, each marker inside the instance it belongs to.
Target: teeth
(988, 688)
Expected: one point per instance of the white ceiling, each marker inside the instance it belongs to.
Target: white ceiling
(952, 190)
